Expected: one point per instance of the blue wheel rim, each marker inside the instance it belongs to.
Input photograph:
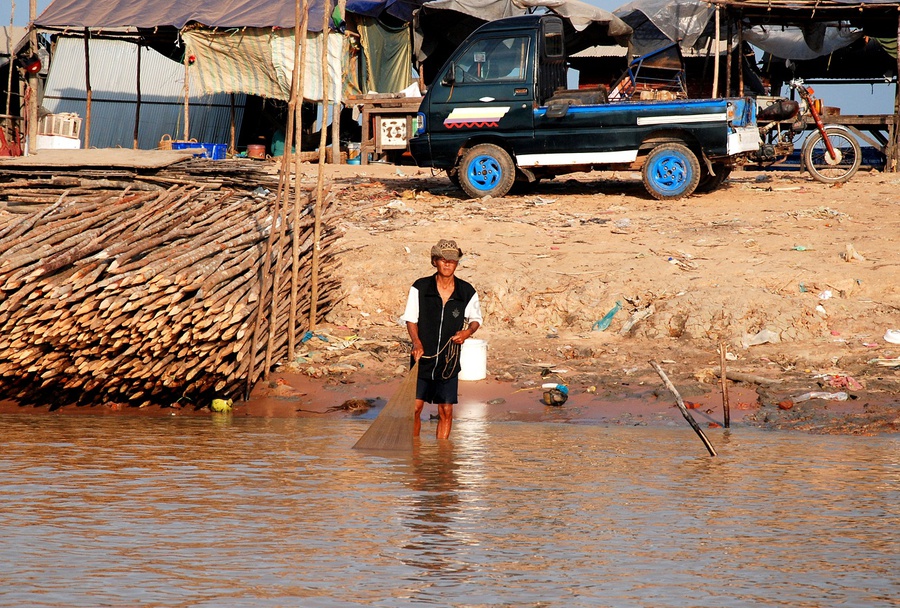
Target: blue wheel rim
(669, 173)
(484, 172)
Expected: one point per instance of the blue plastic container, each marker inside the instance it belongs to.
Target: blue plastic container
(203, 150)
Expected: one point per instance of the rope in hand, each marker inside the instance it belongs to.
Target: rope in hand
(449, 361)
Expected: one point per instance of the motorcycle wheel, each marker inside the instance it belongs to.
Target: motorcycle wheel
(820, 164)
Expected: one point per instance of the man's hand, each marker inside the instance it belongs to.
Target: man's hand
(417, 350)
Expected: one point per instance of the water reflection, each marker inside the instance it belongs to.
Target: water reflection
(238, 512)
(434, 508)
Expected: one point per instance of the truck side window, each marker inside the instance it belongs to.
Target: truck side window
(494, 59)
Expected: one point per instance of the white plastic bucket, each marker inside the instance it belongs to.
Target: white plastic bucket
(473, 360)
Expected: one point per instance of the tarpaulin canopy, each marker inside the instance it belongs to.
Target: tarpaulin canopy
(441, 25)
(107, 14)
(794, 43)
(399, 9)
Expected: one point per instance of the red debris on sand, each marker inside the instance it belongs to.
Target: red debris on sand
(785, 405)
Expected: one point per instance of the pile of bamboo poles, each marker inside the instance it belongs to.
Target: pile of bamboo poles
(154, 297)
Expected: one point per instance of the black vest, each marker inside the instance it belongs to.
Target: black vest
(438, 322)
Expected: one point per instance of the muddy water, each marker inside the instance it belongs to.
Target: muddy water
(256, 512)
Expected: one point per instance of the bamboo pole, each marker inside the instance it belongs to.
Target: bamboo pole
(317, 230)
(681, 406)
(726, 408)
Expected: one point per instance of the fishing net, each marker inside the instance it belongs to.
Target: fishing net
(393, 428)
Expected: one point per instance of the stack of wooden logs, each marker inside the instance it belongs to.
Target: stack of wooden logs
(154, 297)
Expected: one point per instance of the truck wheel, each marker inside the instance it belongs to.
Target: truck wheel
(486, 170)
(671, 172)
(820, 163)
(709, 183)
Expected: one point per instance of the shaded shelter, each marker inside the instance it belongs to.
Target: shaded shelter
(215, 42)
(876, 18)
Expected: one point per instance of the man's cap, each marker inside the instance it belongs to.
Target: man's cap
(447, 250)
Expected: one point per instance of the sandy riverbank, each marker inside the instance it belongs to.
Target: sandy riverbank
(797, 279)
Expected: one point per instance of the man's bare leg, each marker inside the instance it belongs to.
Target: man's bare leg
(445, 420)
(417, 421)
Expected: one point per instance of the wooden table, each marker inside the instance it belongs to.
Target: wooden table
(388, 122)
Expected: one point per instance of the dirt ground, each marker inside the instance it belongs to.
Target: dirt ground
(798, 280)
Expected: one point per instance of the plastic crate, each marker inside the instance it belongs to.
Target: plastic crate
(215, 151)
(63, 125)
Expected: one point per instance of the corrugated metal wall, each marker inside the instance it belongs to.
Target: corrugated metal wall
(114, 85)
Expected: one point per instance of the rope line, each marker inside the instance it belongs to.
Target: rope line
(451, 359)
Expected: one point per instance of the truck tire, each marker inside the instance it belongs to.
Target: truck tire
(819, 162)
(709, 183)
(486, 170)
(670, 172)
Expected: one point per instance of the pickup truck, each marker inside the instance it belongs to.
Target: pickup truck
(499, 112)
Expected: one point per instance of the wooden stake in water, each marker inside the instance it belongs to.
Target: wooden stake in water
(392, 430)
(681, 406)
(726, 408)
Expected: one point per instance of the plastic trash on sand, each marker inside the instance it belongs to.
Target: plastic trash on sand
(761, 337)
(555, 394)
(841, 396)
(607, 318)
(892, 336)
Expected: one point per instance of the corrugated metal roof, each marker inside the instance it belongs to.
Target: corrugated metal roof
(114, 101)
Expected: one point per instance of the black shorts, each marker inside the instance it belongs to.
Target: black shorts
(438, 391)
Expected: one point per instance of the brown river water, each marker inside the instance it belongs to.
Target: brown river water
(222, 511)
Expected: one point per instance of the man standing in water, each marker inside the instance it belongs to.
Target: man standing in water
(442, 311)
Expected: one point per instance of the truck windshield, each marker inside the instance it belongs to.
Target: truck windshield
(493, 59)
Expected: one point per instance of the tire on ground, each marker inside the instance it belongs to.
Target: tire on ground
(486, 170)
(708, 182)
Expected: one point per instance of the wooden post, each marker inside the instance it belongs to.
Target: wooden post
(729, 47)
(232, 143)
(895, 140)
(301, 24)
(715, 86)
(137, 109)
(9, 72)
(187, 91)
(31, 110)
(89, 94)
(726, 408)
(740, 45)
(681, 406)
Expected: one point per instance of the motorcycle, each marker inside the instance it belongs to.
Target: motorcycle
(830, 153)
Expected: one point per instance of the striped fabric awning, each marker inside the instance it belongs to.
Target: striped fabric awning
(260, 61)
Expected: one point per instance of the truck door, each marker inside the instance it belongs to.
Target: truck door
(487, 88)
